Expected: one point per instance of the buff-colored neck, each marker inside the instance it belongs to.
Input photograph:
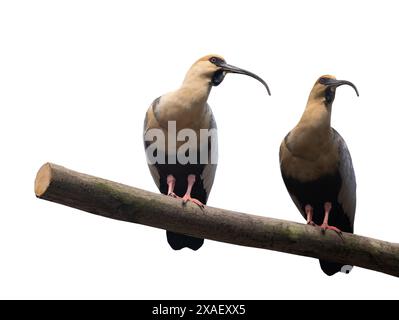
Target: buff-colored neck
(187, 105)
(313, 132)
(195, 87)
(317, 116)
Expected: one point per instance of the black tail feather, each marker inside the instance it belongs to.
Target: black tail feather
(179, 241)
(330, 268)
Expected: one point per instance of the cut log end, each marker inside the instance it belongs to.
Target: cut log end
(43, 179)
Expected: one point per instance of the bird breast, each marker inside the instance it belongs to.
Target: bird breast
(185, 120)
(308, 161)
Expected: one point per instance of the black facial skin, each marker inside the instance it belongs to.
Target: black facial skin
(329, 95)
(217, 61)
(218, 77)
(326, 81)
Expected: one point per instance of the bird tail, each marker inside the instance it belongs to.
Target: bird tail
(179, 241)
(331, 268)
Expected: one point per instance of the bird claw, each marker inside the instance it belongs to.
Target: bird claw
(311, 223)
(197, 202)
(325, 227)
(173, 195)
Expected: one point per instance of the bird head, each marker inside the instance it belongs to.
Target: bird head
(324, 89)
(213, 68)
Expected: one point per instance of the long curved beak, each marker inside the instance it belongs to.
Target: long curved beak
(232, 69)
(336, 83)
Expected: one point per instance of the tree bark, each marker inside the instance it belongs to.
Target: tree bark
(117, 201)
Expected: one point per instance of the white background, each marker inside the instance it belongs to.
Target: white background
(76, 78)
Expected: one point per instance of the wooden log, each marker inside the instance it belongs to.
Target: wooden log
(117, 201)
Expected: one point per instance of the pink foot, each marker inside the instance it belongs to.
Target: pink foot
(325, 227)
(188, 198)
(171, 181)
(309, 215)
(173, 195)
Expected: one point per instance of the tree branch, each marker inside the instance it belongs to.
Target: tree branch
(117, 201)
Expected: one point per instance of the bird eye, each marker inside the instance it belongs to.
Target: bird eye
(213, 60)
(323, 80)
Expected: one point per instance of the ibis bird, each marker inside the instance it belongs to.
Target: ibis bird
(186, 110)
(317, 169)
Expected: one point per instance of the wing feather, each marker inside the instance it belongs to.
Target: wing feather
(209, 172)
(150, 121)
(347, 193)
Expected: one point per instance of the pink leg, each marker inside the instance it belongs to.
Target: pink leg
(309, 215)
(187, 196)
(325, 226)
(171, 181)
